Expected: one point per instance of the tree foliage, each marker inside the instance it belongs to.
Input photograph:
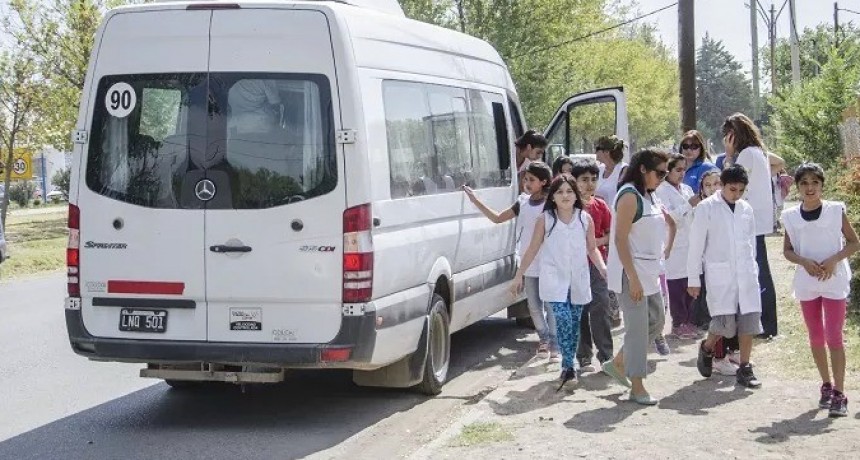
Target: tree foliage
(722, 87)
(808, 115)
(540, 42)
(815, 45)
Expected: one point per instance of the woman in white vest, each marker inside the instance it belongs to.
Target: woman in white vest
(564, 236)
(744, 147)
(634, 267)
(819, 239)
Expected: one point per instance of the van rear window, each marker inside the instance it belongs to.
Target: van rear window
(263, 140)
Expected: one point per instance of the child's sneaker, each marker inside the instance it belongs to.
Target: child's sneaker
(542, 351)
(662, 346)
(826, 395)
(678, 332)
(688, 331)
(746, 377)
(705, 361)
(725, 367)
(838, 404)
(554, 357)
(585, 365)
(567, 377)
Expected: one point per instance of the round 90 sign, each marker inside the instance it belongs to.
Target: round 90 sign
(120, 100)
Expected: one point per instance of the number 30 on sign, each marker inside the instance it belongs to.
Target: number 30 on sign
(120, 100)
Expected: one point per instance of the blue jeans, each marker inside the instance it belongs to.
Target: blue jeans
(567, 317)
(541, 314)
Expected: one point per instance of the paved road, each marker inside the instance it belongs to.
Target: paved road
(58, 405)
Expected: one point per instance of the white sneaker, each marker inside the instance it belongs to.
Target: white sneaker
(554, 357)
(542, 351)
(725, 367)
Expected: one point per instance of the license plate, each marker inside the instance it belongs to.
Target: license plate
(134, 320)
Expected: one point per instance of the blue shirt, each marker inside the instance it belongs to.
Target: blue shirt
(721, 158)
(694, 173)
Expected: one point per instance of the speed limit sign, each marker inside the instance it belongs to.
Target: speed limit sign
(19, 166)
(22, 165)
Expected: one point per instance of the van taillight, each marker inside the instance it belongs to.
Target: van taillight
(73, 253)
(357, 255)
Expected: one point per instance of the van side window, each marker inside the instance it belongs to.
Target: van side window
(449, 125)
(516, 121)
(410, 154)
(490, 157)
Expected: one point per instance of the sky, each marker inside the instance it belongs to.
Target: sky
(728, 20)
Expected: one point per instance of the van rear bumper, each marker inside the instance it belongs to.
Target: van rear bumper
(358, 333)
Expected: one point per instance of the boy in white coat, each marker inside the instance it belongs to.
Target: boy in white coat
(723, 242)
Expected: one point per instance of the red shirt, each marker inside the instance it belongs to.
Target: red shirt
(602, 217)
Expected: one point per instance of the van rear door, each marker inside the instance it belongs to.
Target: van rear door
(142, 254)
(274, 235)
(585, 117)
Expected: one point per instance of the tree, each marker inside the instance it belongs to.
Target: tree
(722, 88)
(59, 34)
(19, 93)
(62, 179)
(815, 50)
(808, 115)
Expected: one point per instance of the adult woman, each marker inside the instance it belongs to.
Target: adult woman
(610, 153)
(745, 147)
(634, 266)
(696, 155)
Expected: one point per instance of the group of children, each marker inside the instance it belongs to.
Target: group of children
(576, 248)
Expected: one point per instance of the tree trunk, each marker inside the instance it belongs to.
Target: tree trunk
(7, 178)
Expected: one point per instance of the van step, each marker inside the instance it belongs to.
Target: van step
(215, 376)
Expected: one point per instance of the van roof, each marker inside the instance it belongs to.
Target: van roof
(367, 19)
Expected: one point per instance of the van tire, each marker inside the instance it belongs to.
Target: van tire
(438, 360)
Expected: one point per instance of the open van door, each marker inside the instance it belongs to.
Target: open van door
(584, 118)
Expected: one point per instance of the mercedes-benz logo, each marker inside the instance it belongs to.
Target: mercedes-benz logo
(205, 190)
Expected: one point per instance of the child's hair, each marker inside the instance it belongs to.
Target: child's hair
(735, 174)
(649, 158)
(705, 175)
(584, 166)
(550, 206)
(745, 131)
(699, 139)
(674, 159)
(613, 145)
(540, 170)
(531, 137)
(809, 168)
(559, 163)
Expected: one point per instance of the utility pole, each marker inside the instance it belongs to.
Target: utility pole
(772, 38)
(687, 62)
(795, 46)
(755, 74)
(836, 23)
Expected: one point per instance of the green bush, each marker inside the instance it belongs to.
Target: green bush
(21, 192)
(845, 180)
(37, 202)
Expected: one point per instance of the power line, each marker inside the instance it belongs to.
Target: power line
(616, 26)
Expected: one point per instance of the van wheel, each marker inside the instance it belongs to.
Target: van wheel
(438, 348)
(526, 322)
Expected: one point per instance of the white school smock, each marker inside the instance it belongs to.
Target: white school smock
(525, 229)
(724, 242)
(758, 193)
(646, 245)
(818, 240)
(564, 264)
(608, 187)
(676, 202)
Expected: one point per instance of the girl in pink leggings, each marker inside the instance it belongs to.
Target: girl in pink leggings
(819, 238)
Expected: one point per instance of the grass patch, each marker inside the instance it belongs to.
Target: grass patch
(36, 242)
(482, 433)
(789, 355)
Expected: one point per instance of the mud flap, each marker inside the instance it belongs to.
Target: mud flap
(519, 310)
(405, 373)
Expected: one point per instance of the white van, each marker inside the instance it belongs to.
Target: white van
(259, 186)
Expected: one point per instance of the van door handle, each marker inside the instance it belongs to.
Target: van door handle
(224, 248)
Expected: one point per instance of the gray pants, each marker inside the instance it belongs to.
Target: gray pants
(541, 313)
(596, 323)
(643, 322)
